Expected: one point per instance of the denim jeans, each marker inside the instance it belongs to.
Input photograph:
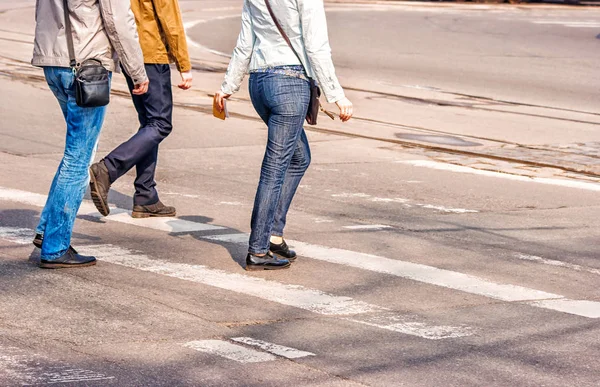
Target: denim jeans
(281, 101)
(155, 111)
(72, 177)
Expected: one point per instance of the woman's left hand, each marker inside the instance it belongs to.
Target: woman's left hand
(219, 97)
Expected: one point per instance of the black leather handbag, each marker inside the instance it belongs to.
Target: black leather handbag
(92, 80)
(315, 92)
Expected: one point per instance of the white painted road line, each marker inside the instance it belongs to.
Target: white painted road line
(32, 369)
(279, 350)
(583, 308)
(431, 275)
(368, 227)
(117, 214)
(162, 224)
(230, 351)
(22, 236)
(403, 201)
(409, 325)
(573, 24)
(417, 272)
(552, 262)
(292, 295)
(461, 169)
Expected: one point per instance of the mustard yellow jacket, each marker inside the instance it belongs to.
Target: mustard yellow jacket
(161, 32)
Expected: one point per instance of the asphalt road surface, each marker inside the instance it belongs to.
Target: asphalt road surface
(447, 236)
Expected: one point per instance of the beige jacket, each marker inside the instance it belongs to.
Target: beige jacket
(102, 29)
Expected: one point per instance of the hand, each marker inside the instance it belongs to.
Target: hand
(186, 80)
(346, 109)
(219, 97)
(141, 88)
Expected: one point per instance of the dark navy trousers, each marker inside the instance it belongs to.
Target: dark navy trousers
(155, 111)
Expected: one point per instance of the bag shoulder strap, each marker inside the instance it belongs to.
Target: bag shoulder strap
(69, 35)
(283, 34)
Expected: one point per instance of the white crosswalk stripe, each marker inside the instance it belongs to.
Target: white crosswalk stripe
(33, 369)
(22, 236)
(570, 23)
(296, 296)
(279, 350)
(418, 272)
(230, 351)
(435, 276)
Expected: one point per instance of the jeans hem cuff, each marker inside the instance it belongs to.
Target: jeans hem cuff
(254, 252)
(52, 257)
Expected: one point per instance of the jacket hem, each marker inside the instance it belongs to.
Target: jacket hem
(46, 61)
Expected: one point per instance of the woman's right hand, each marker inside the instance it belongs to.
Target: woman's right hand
(345, 109)
(218, 99)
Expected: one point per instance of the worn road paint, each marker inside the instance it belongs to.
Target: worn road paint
(279, 350)
(230, 351)
(117, 214)
(292, 295)
(27, 369)
(368, 227)
(404, 202)
(445, 209)
(552, 262)
(429, 275)
(417, 272)
(461, 169)
(22, 236)
(410, 325)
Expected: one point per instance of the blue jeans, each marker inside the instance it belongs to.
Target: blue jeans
(281, 101)
(72, 177)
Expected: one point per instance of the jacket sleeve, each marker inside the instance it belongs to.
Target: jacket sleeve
(316, 43)
(242, 53)
(169, 16)
(121, 29)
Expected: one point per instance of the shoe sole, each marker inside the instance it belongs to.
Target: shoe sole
(139, 215)
(100, 204)
(261, 268)
(64, 265)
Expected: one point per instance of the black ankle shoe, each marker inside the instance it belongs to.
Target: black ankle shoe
(38, 240)
(268, 262)
(69, 259)
(283, 250)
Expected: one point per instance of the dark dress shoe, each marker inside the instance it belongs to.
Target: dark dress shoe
(39, 239)
(68, 259)
(153, 210)
(268, 262)
(283, 250)
(99, 186)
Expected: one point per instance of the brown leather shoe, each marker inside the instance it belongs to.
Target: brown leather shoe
(153, 210)
(99, 186)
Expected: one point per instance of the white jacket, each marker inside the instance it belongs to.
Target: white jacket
(260, 44)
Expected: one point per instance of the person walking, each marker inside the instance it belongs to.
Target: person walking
(99, 28)
(280, 93)
(163, 40)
